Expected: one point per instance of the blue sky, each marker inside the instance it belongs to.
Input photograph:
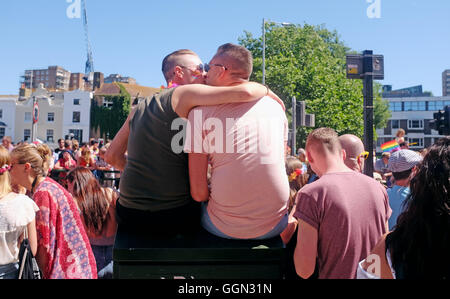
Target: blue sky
(132, 37)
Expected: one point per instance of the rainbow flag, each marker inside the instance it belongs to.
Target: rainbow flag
(389, 146)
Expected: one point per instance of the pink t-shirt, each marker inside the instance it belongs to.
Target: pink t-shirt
(349, 211)
(245, 144)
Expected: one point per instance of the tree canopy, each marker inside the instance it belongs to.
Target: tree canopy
(309, 62)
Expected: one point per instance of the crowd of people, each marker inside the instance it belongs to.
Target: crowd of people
(69, 222)
(209, 153)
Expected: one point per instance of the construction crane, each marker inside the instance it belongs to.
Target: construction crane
(89, 67)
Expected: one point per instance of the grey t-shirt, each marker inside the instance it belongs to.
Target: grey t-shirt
(155, 177)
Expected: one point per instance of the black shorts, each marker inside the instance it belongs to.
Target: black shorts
(166, 223)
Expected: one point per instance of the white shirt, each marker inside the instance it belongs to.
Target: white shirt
(16, 212)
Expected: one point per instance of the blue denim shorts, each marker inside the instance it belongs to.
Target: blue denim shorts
(103, 258)
(211, 228)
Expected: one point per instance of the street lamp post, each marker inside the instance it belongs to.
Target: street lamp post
(284, 24)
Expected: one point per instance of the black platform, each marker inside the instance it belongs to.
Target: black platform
(200, 256)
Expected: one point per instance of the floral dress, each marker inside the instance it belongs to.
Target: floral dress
(61, 233)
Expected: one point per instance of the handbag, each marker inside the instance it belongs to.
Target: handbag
(29, 268)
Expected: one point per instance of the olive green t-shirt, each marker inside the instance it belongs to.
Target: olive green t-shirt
(156, 176)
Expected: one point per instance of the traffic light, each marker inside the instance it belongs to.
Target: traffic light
(446, 130)
(441, 122)
(300, 114)
(302, 118)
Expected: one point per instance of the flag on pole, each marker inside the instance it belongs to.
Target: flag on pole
(35, 112)
(390, 146)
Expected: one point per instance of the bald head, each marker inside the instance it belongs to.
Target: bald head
(353, 147)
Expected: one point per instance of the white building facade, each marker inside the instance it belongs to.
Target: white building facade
(49, 125)
(77, 115)
(412, 114)
(7, 116)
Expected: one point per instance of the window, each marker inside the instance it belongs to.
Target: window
(27, 117)
(395, 124)
(415, 106)
(415, 124)
(395, 106)
(50, 136)
(435, 105)
(77, 134)
(1, 113)
(76, 117)
(26, 134)
(2, 132)
(51, 117)
(107, 103)
(416, 142)
(76, 101)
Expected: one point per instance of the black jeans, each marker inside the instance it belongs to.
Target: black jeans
(167, 223)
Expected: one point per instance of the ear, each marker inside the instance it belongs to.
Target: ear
(344, 155)
(178, 72)
(309, 157)
(27, 166)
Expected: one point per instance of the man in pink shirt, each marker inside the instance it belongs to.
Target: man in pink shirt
(341, 216)
(244, 145)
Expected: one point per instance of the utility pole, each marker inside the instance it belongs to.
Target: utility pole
(264, 53)
(294, 127)
(34, 120)
(367, 67)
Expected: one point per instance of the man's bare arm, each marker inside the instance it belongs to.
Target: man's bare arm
(306, 250)
(115, 155)
(186, 97)
(198, 167)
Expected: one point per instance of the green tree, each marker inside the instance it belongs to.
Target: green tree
(381, 112)
(110, 119)
(308, 62)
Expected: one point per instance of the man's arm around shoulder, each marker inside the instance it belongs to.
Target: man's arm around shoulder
(186, 97)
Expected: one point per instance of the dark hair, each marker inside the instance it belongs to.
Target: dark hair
(402, 175)
(420, 242)
(90, 197)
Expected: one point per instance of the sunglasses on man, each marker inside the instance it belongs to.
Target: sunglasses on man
(204, 67)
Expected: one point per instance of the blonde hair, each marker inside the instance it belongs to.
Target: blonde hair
(39, 157)
(5, 179)
(400, 133)
(86, 154)
(75, 145)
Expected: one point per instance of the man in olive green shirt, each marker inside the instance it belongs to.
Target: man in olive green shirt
(154, 186)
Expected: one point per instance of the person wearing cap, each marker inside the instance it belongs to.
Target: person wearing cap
(402, 164)
(381, 167)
